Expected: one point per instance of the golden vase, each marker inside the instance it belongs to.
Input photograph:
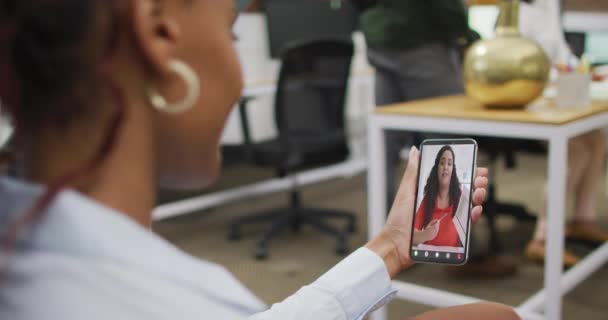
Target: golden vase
(508, 71)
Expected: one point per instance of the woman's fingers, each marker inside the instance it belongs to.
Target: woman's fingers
(476, 213)
(435, 225)
(481, 182)
(479, 196)
(434, 231)
(482, 172)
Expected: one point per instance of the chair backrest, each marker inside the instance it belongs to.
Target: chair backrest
(311, 93)
(297, 20)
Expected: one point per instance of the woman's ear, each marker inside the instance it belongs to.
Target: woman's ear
(155, 32)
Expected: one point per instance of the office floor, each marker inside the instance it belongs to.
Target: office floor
(296, 260)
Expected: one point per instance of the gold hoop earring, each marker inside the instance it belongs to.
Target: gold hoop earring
(193, 86)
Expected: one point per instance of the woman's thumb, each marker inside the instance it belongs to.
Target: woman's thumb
(411, 171)
(407, 187)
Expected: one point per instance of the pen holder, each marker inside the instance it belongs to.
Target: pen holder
(573, 90)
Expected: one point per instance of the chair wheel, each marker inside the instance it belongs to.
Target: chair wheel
(342, 250)
(342, 247)
(261, 253)
(234, 234)
(352, 227)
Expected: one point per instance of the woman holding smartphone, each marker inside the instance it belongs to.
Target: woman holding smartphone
(110, 98)
(434, 218)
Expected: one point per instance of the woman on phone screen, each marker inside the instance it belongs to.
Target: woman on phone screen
(442, 192)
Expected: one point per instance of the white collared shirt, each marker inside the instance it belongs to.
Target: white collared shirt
(86, 261)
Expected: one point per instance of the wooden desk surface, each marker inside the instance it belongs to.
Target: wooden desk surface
(541, 111)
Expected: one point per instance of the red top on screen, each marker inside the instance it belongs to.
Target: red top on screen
(447, 235)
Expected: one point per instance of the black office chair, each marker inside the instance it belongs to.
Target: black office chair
(309, 116)
(507, 148)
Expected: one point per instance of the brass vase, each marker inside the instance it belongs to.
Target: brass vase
(508, 71)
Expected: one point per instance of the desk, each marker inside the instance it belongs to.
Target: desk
(460, 115)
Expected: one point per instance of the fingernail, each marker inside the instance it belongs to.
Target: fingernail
(413, 149)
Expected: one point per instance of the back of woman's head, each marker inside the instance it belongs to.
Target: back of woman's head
(48, 56)
(72, 71)
(51, 68)
(64, 61)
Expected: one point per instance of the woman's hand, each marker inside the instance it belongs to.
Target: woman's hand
(393, 242)
(427, 234)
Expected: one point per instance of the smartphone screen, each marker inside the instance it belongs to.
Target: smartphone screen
(442, 212)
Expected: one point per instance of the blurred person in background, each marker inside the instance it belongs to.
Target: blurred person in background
(416, 48)
(540, 20)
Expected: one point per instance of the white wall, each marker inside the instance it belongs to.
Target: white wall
(252, 48)
(483, 19)
(595, 24)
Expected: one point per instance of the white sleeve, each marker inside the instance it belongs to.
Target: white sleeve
(349, 291)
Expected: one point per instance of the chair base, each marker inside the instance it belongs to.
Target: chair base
(294, 219)
(493, 207)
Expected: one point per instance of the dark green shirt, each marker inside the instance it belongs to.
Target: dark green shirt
(403, 24)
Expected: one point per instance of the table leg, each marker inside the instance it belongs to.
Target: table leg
(376, 188)
(376, 179)
(556, 206)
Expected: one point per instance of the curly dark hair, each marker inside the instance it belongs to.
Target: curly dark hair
(54, 58)
(431, 189)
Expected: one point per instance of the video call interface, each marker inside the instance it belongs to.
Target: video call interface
(442, 202)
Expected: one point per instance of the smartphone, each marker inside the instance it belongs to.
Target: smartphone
(442, 213)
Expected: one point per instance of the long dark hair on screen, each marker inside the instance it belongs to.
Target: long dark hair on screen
(431, 189)
(54, 60)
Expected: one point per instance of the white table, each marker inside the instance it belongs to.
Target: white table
(459, 115)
